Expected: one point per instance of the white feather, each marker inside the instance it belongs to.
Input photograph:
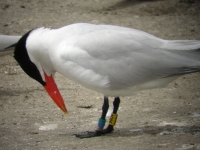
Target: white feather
(113, 60)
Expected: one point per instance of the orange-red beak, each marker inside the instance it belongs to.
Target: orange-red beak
(54, 93)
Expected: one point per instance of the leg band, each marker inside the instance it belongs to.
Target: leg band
(101, 122)
(113, 119)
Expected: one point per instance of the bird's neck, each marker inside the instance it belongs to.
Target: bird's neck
(38, 47)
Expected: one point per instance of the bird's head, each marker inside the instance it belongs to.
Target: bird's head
(36, 71)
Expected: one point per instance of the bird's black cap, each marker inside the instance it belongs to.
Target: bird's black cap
(21, 56)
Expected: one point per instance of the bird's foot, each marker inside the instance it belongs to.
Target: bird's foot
(89, 134)
(96, 133)
(109, 129)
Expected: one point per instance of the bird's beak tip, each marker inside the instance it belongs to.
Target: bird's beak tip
(66, 113)
(63, 108)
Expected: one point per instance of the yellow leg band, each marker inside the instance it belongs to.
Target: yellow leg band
(113, 119)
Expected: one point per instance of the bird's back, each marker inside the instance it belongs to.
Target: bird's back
(112, 59)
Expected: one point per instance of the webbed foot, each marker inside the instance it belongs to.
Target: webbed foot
(90, 134)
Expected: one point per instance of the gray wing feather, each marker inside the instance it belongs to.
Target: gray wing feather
(131, 58)
(6, 41)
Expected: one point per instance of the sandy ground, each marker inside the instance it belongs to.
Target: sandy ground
(165, 118)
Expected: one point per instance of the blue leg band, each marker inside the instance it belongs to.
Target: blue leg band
(101, 122)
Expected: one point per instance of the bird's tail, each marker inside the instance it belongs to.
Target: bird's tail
(186, 54)
(182, 45)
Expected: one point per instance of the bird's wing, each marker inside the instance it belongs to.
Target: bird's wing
(123, 58)
(6, 41)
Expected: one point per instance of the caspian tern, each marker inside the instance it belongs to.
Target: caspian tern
(6, 41)
(115, 61)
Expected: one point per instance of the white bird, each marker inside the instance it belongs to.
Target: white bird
(115, 61)
(6, 43)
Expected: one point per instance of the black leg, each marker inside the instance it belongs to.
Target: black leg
(105, 107)
(102, 120)
(113, 117)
